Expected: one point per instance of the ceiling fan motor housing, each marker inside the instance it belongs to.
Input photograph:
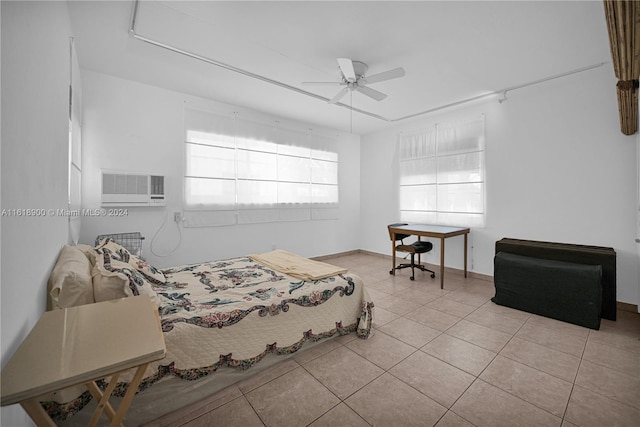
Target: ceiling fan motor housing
(359, 68)
(353, 77)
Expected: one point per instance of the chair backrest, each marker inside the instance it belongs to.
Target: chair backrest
(398, 235)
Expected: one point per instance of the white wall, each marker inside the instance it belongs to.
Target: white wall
(35, 103)
(558, 169)
(135, 127)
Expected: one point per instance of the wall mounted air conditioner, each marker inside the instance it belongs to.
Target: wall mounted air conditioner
(131, 189)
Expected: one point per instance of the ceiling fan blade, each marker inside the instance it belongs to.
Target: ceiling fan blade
(346, 66)
(372, 93)
(385, 75)
(339, 96)
(322, 83)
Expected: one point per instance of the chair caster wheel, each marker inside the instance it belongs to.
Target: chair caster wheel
(433, 275)
(390, 271)
(412, 278)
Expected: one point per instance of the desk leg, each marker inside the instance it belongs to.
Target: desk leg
(393, 254)
(442, 263)
(465, 254)
(37, 413)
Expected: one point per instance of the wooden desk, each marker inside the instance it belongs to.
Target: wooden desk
(438, 231)
(80, 345)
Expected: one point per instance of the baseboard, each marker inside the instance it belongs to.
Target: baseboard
(434, 267)
(325, 257)
(625, 306)
(633, 308)
(376, 254)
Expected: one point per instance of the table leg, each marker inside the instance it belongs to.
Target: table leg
(37, 413)
(102, 399)
(442, 263)
(128, 397)
(465, 254)
(393, 254)
(116, 417)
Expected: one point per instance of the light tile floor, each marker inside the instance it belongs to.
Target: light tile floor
(448, 358)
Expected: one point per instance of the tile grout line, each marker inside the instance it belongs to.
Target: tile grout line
(441, 333)
(476, 378)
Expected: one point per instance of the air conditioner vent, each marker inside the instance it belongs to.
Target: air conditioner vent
(157, 186)
(124, 184)
(131, 189)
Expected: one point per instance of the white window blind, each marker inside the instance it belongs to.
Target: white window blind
(238, 171)
(442, 174)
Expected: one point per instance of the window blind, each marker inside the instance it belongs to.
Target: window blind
(239, 171)
(442, 174)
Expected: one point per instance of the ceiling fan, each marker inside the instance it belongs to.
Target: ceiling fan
(353, 77)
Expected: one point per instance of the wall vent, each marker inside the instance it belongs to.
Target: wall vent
(131, 189)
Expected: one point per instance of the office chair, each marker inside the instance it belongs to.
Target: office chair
(417, 247)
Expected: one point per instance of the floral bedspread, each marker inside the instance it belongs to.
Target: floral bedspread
(234, 312)
(221, 293)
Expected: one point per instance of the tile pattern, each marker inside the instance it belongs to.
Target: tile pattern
(448, 358)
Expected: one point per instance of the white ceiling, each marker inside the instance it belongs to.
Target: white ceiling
(450, 50)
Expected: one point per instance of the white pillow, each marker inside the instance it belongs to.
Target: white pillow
(70, 281)
(88, 250)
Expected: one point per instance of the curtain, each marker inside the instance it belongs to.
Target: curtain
(622, 18)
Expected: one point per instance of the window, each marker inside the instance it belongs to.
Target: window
(74, 188)
(442, 174)
(243, 172)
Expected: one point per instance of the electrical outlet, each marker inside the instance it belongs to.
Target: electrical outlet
(177, 217)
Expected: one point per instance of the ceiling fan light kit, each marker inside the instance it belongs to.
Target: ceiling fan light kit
(353, 77)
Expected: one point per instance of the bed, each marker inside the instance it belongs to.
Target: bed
(224, 314)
